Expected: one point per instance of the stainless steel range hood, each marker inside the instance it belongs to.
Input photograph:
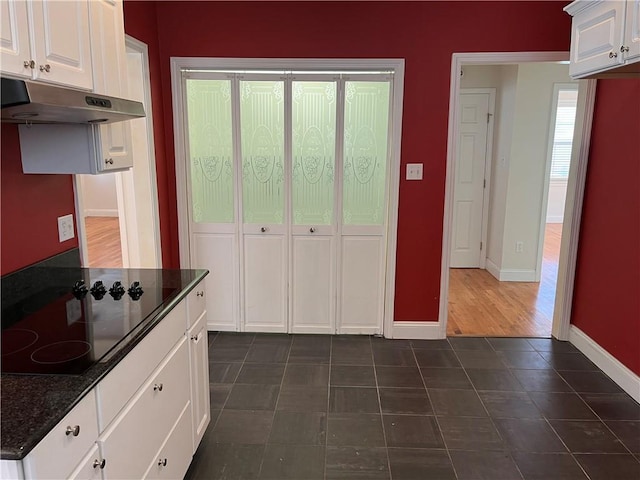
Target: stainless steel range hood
(31, 102)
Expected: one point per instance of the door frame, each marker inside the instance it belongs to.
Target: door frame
(575, 186)
(487, 167)
(396, 65)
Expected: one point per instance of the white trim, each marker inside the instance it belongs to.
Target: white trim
(569, 243)
(331, 65)
(80, 223)
(493, 269)
(573, 210)
(554, 219)
(101, 212)
(517, 275)
(625, 378)
(142, 49)
(416, 330)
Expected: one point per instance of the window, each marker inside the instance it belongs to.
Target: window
(563, 133)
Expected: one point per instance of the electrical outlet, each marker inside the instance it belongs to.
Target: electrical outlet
(519, 247)
(414, 171)
(65, 228)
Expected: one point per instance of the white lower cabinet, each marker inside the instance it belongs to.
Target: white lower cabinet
(130, 443)
(145, 419)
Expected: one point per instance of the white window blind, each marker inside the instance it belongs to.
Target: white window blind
(563, 133)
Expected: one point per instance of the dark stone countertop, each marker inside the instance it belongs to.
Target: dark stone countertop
(32, 405)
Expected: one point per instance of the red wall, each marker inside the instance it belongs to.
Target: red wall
(425, 34)
(31, 205)
(606, 304)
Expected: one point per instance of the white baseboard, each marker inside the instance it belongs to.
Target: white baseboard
(100, 212)
(513, 275)
(555, 218)
(628, 381)
(416, 330)
(493, 269)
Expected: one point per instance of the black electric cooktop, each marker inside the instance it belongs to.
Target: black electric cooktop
(78, 317)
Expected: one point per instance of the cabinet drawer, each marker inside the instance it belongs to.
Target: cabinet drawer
(133, 439)
(174, 457)
(197, 300)
(65, 445)
(90, 467)
(115, 390)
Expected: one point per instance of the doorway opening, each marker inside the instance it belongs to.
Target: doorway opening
(502, 260)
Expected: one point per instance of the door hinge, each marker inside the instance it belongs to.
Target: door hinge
(484, 183)
(489, 116)
(480, 246)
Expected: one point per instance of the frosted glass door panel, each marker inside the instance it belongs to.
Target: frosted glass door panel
(314, 145)
(210, 150)
(262, 134)
(366, 126)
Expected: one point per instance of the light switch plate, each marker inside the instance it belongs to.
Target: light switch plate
(65, 228)
(414, 171)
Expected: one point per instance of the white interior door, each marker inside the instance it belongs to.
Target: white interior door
(466, 235)
(264, 203)
(212, 176)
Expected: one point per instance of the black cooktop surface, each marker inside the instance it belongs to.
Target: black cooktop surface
(77, 317)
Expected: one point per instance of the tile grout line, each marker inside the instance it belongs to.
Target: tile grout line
(384, 432)
(435, 416)
(326, 435)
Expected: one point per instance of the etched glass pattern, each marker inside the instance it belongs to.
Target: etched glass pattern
(366, 123)
(211, 150)
(262, 134)
(313, 139)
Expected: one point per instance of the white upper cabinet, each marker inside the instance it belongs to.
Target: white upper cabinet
(46, 40)
(605, 37)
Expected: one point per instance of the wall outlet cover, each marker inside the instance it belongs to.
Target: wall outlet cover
(414, 171)
(65, 228)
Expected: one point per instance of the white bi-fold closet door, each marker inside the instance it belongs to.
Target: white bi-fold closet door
(288, 197)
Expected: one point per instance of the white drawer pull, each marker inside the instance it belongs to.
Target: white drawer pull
(75, 430)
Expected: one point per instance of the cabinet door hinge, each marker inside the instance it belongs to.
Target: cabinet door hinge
(489, 116)
(484, 183)
(480, 246)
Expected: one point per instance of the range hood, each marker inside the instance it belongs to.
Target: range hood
(32, 102)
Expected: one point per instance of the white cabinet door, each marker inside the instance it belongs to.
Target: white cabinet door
(131, 442)
(199, 358)
(90, 467)
(15, 49)
(173, 459)
(632, 30)
(313, 282)
(110, 78)
(596, 37)
(62, 42)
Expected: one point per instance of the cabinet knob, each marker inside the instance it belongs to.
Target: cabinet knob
(75, 430)
(624, 49)
(97, 463)
(45, 68)
(613, 54)
(162, 462)
(194, 338)
(29, 64)
(157, 387)
(263, 229)
(311, 230)
(108, 161)
(200, 293)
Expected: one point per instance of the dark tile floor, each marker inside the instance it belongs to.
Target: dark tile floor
(320, 407)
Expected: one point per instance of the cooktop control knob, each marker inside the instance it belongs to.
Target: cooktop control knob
(98, 290)
(117, 290)
(79, 290)
(135, 291)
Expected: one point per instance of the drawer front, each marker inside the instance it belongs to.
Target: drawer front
(90, 466)
(133, 439)
(115, 390)
(66, 444)
(196, 300)
(173, 459)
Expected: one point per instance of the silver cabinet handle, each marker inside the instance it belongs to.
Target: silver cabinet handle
(108, 161)
(263, 229)
(162, 462)
(75, 430)
(613, 54)
(157, 387)
(311, 230)
(200, 293)
(29, 64)
(194, 338)
(97, 463)
(624, 49)
(45, 68)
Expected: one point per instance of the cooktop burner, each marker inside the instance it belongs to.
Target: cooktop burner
(68, 326)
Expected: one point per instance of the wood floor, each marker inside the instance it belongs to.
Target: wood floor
(481, 305)
(103, 242)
